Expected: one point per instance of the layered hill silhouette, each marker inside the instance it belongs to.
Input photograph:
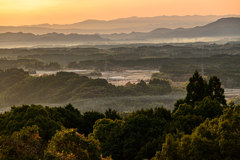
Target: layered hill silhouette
(221, 28)
(225, 27)
(122, 25)
(28, 37)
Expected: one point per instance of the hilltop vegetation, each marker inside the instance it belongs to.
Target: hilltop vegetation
(224, 27)
(26, 131)
(175, 62)
(18, 87)
(177, 69)
(201, 126)
(30, 64)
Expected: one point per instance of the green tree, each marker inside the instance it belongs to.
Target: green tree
(183, 109)
(148, 151)
(137, 132)
(198, 89)
(214, 139)
(53, 66)
(195, 89)
(170, 148)
(112, 114)
(176, 105)
(184, 124)
(103, 129)
(159, 87)
(69, 144)
(143, 86)
(156, 113)
(69, 116)
(23, 145)
(208, 108)
(89, 120)
(215, 91)
(32, 115)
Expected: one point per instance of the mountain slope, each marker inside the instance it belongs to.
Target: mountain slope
(28, 39)
(221, 27)
(225, 27)
(122, 25)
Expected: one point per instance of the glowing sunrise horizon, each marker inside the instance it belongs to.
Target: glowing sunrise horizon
(32, 12)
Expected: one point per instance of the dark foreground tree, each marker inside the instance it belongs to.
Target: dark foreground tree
(195, 89)
(215, 91)
(23, 145)
(68, 144)
(198, 89)
(218, 138)
(112, 114)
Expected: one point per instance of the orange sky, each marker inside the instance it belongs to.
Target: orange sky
(27, 12)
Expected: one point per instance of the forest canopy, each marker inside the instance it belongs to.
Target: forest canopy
(18, 87)
(202, 126)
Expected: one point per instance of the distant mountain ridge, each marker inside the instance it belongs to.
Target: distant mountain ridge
(122, 25)
(222, 27)
(28, 37)
(225, 27)
(133, 22)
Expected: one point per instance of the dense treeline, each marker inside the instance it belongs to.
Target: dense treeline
(20, 88)
(121, 52)
(30, 64)
(64, 55)
(25, 132)
(201, 126)
(177, 69)
(214, 139)
(148, 128)
(176, 62)
(223, 61)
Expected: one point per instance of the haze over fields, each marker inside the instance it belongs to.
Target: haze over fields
(119, 79)
(26, 23)
(122, 25)
(224, 28)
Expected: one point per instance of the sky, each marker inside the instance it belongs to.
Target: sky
(28, 12)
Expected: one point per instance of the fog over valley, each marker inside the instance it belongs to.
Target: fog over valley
(119, 80)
